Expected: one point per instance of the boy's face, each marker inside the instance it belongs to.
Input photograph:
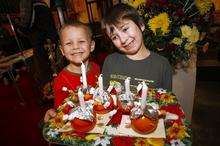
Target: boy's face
(76, 44)
(126, 36)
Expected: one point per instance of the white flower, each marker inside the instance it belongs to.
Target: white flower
(102, 141)
(171, 116)
(65, 117)
(176, 142)
(111, 130)
(161, 90)
(64, 89)
(52, 133)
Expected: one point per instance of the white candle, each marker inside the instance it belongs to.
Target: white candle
(127, 87)
(83, 71)
(81, 99)
(144, 95)
(100, 82)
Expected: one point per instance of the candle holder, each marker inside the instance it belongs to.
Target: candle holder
(144, 121)
(103, 102)
(83, 126)
(82, 117)
(114, 88)
(87, 92)
(125, 103)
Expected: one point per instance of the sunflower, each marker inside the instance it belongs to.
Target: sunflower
(161, 22)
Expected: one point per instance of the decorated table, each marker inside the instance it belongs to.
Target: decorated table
(114, 127)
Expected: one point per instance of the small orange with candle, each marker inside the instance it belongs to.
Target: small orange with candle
(144, 118)
(125, 101)
(103, 102)
(85, 118)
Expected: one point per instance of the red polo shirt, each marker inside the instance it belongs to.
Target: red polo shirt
(72, 80)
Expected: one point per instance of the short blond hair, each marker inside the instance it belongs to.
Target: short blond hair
(77, 24)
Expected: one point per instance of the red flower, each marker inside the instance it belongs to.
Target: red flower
(116, 118)
(175, 109)
(66, 109)
(122, 141)
(171, 122)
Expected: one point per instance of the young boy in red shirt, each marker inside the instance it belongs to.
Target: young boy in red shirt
(76, 45)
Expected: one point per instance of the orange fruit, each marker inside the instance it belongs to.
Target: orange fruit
(100, 109)
(82, 126)
(143, 125)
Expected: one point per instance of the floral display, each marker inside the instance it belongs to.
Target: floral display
(177, 129)
(175, 28)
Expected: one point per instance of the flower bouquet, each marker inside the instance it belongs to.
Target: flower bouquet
(175, 28)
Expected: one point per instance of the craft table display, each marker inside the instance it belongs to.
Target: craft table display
(113, 129)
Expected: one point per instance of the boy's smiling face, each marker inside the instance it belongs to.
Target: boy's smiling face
(126, 36)
(76, 44)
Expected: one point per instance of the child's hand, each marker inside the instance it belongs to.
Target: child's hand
(50, 113)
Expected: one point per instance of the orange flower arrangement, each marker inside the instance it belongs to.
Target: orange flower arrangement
(177, 132)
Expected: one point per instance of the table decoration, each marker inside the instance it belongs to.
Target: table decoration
(114, 88)
(125, 100)
(144, 118)
(80, 118)
(103, 101)
(176, 127)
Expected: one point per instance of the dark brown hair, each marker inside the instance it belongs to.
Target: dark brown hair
(119, 12)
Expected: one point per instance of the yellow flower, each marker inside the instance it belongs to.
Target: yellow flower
(65, 136)
(91, 137)
(186, 31)
(203, 6)
(177, 131)
(192, 34)
(155, 141)
(57, 121)
(177, 41)
(167, 98)
(135, 3)
(160, 21)
(189, 46)
(141, 141)
(151, 92)
(194, 37)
